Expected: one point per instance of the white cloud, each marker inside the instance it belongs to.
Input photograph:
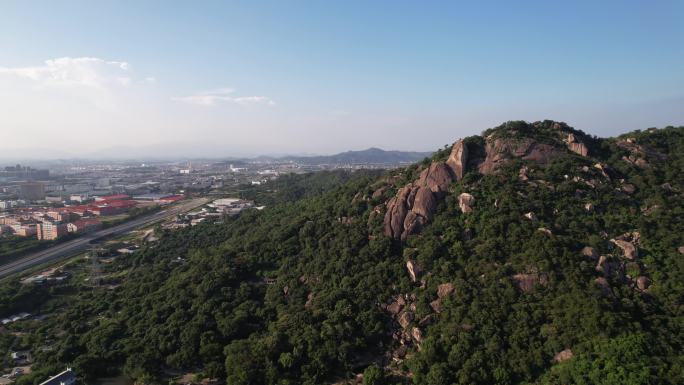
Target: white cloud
(74, 72)
(223, 95)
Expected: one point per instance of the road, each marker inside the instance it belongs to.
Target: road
(82, 243)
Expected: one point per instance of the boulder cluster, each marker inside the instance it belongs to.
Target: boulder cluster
(622, 268)
(407, 330)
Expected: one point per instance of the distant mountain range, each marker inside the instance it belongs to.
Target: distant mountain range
(371, 155)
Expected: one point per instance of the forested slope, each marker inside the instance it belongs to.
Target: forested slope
(562, 266)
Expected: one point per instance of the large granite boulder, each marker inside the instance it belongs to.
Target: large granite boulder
(643, 283)
(445, 289)
(465, 202)
(458, 159)
(424, 202)
(414, 270)
(563, 355)
(628, 248)
(397, 208)
(437, 178)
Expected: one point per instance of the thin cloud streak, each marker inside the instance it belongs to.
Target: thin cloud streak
(223, 95)
(88, 72)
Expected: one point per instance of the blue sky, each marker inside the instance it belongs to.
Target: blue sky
(248, 77)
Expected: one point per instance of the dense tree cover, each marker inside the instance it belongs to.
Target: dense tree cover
(13, 246)
(291, 294)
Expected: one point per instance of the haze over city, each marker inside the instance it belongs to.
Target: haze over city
(219, 79)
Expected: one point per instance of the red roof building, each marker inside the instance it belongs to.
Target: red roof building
(112, 207)
(84, 225)
(109, 198)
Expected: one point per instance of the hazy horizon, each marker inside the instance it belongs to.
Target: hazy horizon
(221, 79)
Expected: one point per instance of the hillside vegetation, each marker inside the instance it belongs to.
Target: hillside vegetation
(544, 256)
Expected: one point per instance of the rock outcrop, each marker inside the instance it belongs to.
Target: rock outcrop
(415, 204)
(405, 319)
(458, 159)
(437, 178)
(396, 306)
(414, 270)
(397, 208)
(500, 151)
(627, 242)
(577, 146)
(465, 202)
(412, 207)
(436, 305)
(590, 252)
(563, 355)
(527, 282)
(445, 289)
(643, 283)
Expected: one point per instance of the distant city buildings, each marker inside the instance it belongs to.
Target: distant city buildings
(20, 172)
(32, 191)
(49, 231)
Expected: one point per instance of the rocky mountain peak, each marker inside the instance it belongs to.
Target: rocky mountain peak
(540, 142)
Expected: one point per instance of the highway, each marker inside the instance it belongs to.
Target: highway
(70, 248)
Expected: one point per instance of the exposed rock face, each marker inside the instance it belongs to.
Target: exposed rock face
(405, 319)
(414, 270)
(436, 305)
(603, 169)
(527, 282)
(510, 142)
(417, 334)
(378, 193)
(589, 207)
(437, 178)
(643, 283)
(531, 216)
(602, 283)
(395, 307)
(499, 151)
(563, 355)
(465, 202)
(458, 159)
(639, 154)
(424, 203)
(445, 289)
(590, 252)
(397, 208)
(681, 249)
(575, 145)
(628, 248)
(415, 204)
